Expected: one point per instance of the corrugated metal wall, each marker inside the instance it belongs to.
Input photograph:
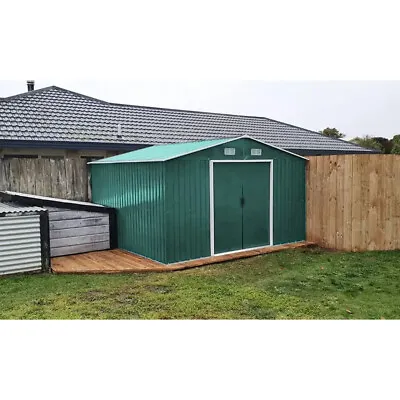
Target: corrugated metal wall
(289, 199)
(188, 194)
(188, 210)
(137, 191)
(20, 245)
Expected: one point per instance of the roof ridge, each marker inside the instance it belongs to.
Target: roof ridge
(29, 93)
(81, 95)
(32, 92)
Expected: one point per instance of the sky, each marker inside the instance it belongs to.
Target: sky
(355, 108)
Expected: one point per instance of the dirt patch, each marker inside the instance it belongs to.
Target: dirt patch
(93, 295)
(126, 299)
(158, 289)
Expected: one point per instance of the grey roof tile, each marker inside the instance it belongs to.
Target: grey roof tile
(55, 113)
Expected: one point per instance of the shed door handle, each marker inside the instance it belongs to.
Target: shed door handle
(242, 202)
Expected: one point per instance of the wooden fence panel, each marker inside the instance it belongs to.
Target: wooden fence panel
(347, 223)
(353, 201)
(340, 202)
(396, 210)
(62, 178)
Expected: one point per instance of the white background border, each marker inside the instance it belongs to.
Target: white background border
(208, 40)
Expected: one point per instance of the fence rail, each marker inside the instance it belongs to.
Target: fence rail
(353, 202)
(64, 178)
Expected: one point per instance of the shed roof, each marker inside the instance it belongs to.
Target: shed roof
(162, 152)
(171, 151)
(26, 199)
(17, 196)
(13, 208)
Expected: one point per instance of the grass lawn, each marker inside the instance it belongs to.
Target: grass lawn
(294, 284)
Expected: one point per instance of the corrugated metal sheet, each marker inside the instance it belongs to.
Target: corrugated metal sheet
(12, 208)
(289, 200)
(162, 152)
(137, 191)
(188, 210)
(52, 199)
(20, 246)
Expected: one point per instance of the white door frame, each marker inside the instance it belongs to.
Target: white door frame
(271, 202)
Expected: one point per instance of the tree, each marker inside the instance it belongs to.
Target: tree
(396, 144)
(367, 142)
(387, 144)
(332, 132)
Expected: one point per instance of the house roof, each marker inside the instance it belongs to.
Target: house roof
(58, 115)
(168, 152)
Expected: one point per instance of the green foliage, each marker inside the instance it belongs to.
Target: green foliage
(387, 144)
(367, 142)
(332, 132)
(396, 144)
(294, 284)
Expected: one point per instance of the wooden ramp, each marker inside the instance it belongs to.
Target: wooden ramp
(121, 261)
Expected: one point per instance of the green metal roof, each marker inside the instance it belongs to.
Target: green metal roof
(170, 151)
(163, 152)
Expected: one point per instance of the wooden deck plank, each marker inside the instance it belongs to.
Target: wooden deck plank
(121, 261)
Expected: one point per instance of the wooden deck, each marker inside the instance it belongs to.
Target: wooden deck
(121, 261)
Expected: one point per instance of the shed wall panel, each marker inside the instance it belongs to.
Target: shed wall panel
(137, 191)
(289, 200)
(20, 245)
(188, 210)
(76, 231)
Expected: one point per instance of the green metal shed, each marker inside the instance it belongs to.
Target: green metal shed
(186, 201)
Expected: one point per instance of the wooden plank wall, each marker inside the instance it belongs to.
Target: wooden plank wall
(353, 202)
(74, 232)
(61, 178)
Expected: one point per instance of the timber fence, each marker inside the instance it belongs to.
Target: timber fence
(353, 202)
(63, 178)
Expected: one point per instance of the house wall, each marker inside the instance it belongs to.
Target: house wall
(137, 191)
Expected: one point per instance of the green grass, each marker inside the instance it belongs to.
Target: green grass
(294, 284)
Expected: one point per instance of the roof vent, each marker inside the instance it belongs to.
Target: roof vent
(119, 134)
(31, 85)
